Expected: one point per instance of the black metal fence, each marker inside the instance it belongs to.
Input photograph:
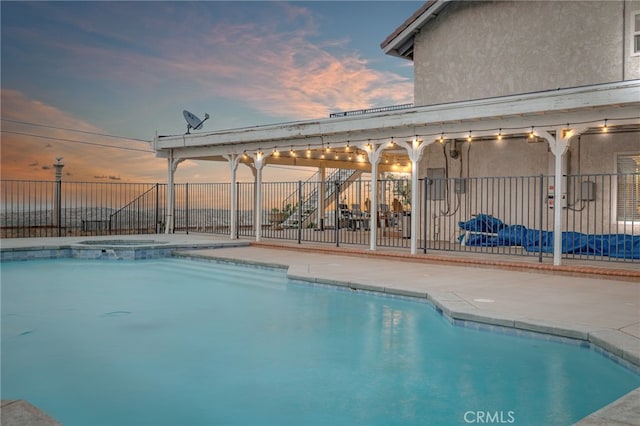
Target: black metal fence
(495, 215)
(52, 209)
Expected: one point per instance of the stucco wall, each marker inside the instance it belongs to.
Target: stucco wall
(588, 154)
(632, 62)
(483, 49)
(591, 157)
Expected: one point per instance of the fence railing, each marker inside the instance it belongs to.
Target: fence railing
(58, 209)
(495, 215)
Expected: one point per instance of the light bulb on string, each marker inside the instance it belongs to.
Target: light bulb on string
(605, 129)
(500, 134)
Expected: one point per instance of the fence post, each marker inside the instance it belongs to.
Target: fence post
(57, 210)
(157, 223)
(425, 215)
(186, 202)
(299, 211)
(336, 215)
(541, 211)
(237, 210)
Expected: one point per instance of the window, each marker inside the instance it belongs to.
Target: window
(635, 27)
(628, 205)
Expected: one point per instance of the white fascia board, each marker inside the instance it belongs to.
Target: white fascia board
(409, 32)
(301, 133)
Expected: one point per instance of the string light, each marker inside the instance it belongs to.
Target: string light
(358, 155)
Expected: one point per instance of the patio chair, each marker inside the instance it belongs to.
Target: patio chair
(359, 219)
(344, 215)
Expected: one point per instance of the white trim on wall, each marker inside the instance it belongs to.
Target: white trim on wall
(635, 33)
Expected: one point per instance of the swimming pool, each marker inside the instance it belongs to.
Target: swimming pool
(178, 342)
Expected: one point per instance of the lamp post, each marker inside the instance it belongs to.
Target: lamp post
(58, 195)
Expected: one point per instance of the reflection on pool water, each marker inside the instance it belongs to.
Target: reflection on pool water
(178, 342)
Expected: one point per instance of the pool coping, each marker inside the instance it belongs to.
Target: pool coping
(110, 249)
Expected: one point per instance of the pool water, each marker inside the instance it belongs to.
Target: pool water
(179, 342)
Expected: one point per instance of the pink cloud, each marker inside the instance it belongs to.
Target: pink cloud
(31, 158)
(272, 66)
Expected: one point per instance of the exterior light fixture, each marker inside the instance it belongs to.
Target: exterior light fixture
(500, 134)
(531, 135)
(469, 138)
(605, 129)
(441, 140)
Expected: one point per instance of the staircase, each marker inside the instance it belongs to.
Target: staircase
(309, 203)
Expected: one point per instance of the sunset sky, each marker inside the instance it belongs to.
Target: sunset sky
(129, 69)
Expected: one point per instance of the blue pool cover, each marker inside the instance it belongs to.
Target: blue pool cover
(622, 246)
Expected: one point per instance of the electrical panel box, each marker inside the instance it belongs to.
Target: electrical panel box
(460, 185)
(588, 191)
(435, 184)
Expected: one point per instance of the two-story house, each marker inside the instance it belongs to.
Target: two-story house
(505, 91)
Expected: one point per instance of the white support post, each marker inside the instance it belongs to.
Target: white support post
(374, 154)
(258, 163)
(172, 164)
(415, 149)
(233, 159)
(559, 144)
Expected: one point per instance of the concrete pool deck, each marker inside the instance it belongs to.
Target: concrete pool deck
(600, 308)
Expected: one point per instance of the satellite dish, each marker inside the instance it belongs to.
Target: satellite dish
(193, 122)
